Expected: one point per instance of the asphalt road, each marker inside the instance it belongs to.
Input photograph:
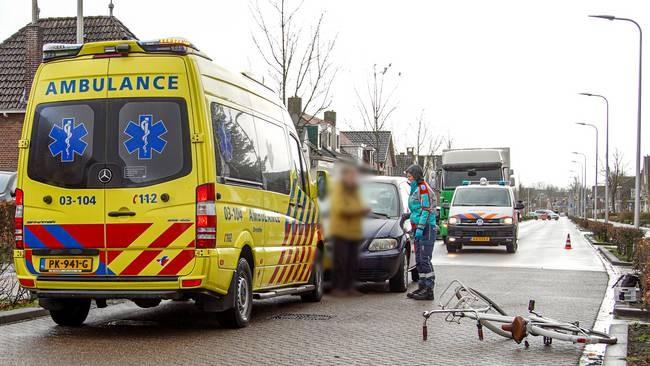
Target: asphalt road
(379, 328)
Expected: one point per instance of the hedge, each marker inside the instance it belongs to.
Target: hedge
(642, 264)
(7, 210)
(625, 239)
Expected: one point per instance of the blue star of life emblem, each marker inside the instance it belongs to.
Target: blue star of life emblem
(68, 140)
(145, 136)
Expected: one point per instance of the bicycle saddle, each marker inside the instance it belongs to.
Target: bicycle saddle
(517, 328)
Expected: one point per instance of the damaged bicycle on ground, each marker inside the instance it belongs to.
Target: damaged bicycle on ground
(459, 301)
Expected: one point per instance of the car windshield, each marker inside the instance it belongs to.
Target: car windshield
(454, 178)
(382, 198)
(481, 196)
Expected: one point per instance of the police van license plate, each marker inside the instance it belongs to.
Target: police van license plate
(63, 264)
(480, 238)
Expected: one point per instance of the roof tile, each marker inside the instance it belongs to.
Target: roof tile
(55, 30)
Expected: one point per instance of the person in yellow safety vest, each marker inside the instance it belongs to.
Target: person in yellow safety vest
(423, 223)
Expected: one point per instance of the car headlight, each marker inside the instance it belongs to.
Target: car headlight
(453, 220)
(382, 244)
(507, 221)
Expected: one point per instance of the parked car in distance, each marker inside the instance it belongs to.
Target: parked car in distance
(7, 185)
(552, 215)
(387, 252)
(541, 215)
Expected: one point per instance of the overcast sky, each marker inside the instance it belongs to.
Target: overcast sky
(487, 73)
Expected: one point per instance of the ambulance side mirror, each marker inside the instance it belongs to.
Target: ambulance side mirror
(445, 205)
(321, 184)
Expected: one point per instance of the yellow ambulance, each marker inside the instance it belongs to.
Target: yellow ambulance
(146, 172)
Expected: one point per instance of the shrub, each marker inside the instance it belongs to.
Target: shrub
(10, 293)
(642, 264)
(601, 230)
(624, 239)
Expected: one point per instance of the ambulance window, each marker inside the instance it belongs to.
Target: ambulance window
(153, 143)
(62, 143)
(235, 144)
(297, 162)
(274, 153)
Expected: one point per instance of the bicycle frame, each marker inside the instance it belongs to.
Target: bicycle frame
(470, 305)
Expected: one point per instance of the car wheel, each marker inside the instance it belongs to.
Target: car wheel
(399, 282)
(71, 313)
(239, 315)
(452, 248)
(512, 248)
(316, 279)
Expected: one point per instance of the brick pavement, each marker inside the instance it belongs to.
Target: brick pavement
(379, 328)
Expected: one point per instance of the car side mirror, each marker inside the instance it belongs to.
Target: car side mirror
(445, 205)
(402, 221)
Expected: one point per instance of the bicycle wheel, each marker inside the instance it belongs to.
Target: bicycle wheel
(494, 305)
(571, 333)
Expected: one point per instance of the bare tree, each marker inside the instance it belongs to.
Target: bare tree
(617, 171)
(377, 104)
(426, 143)
(299, 61)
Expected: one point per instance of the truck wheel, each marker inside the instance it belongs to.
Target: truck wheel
(239, 315)
(72, 312)
(452, 248)
(316, 279)
(399, 282)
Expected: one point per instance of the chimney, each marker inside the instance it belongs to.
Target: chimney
(33, 49)
(294, 106)
(330, 117)
(410, 151)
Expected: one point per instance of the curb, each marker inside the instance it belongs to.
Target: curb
(11, 316)
(622, 310)
(613, 259)
(616, 354)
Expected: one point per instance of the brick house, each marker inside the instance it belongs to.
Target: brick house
(20, 55)
(383, 148)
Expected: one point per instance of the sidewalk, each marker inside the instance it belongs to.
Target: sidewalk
(646, 230)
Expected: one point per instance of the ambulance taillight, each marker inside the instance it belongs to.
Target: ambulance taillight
(18, 219)
(206, 216)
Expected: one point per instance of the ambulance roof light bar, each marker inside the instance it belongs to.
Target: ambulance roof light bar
(59, 50)
(484, 182)
(174, 45)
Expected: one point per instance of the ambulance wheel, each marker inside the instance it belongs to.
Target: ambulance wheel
(315, 279)
(239, 315)
(70, 312)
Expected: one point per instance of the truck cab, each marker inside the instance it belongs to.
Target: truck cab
(470, 164)
(483, 213)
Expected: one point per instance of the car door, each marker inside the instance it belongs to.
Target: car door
(404, 192)
(63, 198)
(151, 193)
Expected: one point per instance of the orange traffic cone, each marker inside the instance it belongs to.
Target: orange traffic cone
(567, 245)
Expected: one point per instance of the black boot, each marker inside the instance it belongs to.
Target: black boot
(413, 293)
(426, 294)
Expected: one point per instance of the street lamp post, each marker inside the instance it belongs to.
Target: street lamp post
(596, 182)
(584, 180)
(606, 151)
(637, 180)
